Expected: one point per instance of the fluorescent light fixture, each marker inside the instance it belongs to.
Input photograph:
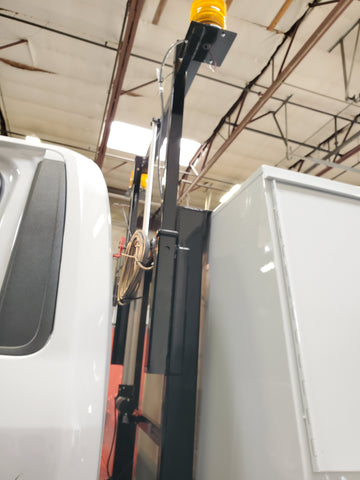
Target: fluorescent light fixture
(230, 193)
(268, 267)
(129, 138)
(32, 140)
(188, 148)
(136, 140)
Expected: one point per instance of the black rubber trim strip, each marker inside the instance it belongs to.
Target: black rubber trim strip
(29, 291)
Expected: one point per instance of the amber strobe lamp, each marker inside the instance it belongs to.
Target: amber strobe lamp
(212, 12)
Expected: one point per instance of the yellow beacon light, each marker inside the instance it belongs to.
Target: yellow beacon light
(212, 12)
(143, 180)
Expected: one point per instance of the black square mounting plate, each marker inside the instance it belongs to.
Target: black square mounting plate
(213, 43)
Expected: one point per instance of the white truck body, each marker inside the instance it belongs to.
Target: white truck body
(53, 382)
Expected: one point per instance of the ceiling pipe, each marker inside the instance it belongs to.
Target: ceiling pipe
(116, 90)
(346, 156)
(336, 150)
(341, 6)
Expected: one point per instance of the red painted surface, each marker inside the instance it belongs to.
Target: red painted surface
(121, 247)
(115, 376)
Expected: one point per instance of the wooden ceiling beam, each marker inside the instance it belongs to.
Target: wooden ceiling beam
(121, 64)
(159, 11)
(279, 15)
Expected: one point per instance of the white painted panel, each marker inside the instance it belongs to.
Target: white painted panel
(321, 236)
(248, 428)
(277, 261)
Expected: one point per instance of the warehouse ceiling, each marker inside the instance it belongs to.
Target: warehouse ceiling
(56, 67)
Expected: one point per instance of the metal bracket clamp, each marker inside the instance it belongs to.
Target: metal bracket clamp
(126, 391)
(209, 43)
(124, 402)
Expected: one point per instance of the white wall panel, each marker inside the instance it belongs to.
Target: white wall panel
(321, 237)
(279, 393)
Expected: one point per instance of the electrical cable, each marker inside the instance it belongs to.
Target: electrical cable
(136, 260)
(158, 162)
(159, 177)
(160, 74)
(161, 80)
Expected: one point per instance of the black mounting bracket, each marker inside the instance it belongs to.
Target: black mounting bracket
(210, 44)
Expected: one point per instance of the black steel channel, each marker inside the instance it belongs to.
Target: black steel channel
(177, 334)
(135, 195)
(203, 43)
(124, 450)
(162, 302)
(179, 407)
(174, 134)
(122, 317)
(174, 333)
(167, 235)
